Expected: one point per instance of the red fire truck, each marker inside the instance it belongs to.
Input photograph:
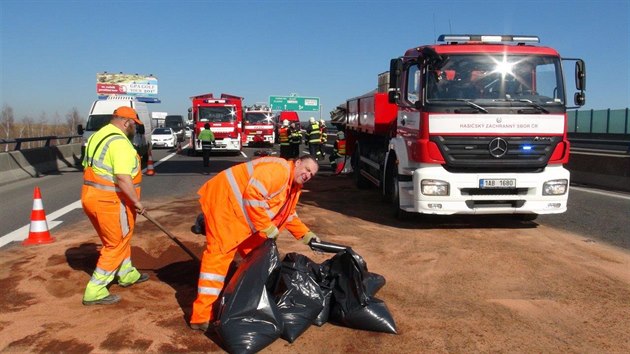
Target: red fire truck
(225, 116)
(475, 124)
(258, 127)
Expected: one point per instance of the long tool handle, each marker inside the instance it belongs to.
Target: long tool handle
(171, 236)
(327, 247)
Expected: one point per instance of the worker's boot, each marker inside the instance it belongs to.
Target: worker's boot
(107, 300)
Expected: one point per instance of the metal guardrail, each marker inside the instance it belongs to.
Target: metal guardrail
(611, 142)
(60, 140)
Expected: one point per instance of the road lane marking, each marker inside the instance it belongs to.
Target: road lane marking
(22, 233)
(595, 191)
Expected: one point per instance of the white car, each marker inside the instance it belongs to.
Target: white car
(163, 137)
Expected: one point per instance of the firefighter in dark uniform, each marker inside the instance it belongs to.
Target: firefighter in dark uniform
(283, 132)
(295, 139)
(322, 128)
(314, 136)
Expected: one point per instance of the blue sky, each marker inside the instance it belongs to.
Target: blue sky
(50, 51)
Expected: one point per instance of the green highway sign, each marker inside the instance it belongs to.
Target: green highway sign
(293, 103)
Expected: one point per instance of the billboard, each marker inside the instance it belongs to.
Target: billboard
(143, 87)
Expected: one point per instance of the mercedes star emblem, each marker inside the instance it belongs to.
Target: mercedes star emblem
(498, 147)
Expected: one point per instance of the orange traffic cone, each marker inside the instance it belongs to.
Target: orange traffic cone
(38, 232)
(150, 170)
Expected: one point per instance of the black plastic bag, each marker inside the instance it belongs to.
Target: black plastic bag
(248, 318)
(298, 295)
(199, 227)
(353, 304)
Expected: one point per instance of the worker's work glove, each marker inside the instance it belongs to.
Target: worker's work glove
(271, 232)
(310, 236)
(140, 209)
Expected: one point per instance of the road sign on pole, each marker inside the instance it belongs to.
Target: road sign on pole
(294, 103)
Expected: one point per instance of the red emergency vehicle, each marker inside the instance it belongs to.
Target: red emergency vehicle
(475, 124)
(225, 116)
(258, 126)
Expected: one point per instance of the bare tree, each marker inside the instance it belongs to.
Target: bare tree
(27, 131)
(55, 124)
(72, 120)
(43, 121)
(7, 122)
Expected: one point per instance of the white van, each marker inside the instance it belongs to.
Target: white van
(101, 113)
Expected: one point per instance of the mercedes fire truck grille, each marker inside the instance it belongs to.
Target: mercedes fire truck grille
(496, 153)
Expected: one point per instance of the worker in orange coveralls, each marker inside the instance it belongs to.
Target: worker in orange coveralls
(243, 206)
(111, 197)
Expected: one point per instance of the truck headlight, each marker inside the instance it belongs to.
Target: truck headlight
(434, 187)
(555, 187)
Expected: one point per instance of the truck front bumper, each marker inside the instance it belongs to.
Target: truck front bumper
(466, 196)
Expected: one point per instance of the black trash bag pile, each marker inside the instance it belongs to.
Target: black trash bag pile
(266, 299)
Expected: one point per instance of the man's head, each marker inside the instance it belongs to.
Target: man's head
(285, 123)
(126, 118)
(206, 126)
(311, 119)
(305, 168)
(341, 135)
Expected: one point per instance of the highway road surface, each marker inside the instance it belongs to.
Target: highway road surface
(453, 284)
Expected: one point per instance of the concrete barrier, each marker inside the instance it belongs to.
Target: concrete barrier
(600, 169)
(16, 165)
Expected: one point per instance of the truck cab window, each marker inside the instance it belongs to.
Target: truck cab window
(496, 79)
(413, 84)
(216, 114)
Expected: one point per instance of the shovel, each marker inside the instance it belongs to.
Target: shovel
(171, 236)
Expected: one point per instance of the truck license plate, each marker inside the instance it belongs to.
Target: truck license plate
(497, 183)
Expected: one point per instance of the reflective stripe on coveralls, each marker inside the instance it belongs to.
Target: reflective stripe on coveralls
(230, 229)
(110, 215)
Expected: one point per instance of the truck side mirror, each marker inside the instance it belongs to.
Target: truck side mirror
(395, 70)
(579, 98)
(80, 129)
(580, 75)
(140, 129)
